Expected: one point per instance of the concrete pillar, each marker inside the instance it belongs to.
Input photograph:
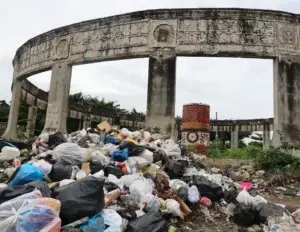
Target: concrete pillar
(286, 101)
(234, 137)
(11, 129)
(161, 94)
(57, 109)
(30, 128)
(266, 139)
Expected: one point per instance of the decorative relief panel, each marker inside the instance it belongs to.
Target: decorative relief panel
(163, 33)
(61, 49)
(288, 37)
(226, 31)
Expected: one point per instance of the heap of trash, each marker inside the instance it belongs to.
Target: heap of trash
(117, 180)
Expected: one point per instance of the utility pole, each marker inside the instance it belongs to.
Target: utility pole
(217, 127)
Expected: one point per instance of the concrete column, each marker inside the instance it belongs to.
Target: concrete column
(57, 109)
(30, 128)
(235, 137)
(11, 129)
(161, 94)
(266, 139)
(286, 101)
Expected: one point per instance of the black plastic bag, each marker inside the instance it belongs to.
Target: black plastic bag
(42, 186)
(60, 171)
(244, 215)
(183, 193)
(175, 169)
(95, 167)
(113, 170)
(207, 188)
(109, 186)
(82, 198)
(56, 139)
(230, 196)
(13, 192)
(149, 222)
(266, 210)
(133, 149)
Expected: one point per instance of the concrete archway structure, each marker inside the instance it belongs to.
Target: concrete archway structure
(162, 35)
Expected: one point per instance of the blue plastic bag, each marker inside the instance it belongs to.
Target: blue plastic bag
(120, 155)
(94, 224)
(26, 174)
(112, 140)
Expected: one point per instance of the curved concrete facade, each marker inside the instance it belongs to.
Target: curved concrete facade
(162, 35)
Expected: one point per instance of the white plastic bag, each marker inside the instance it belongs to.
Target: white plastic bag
(138, 162)
(94, 137)
(99, 174)
(114, 179)
(141, 188)
(32, 195)
(193, 194)
(10, 171)
(244, 198)
(148, 155)
(69, 153)
(113, 220)
(9, 153)
(176, 184)
(21, 215)
(98, 156)
(173, 207)
(128, 180)
(82, 133)
(44, 138)
(43, 165)
(257, 200)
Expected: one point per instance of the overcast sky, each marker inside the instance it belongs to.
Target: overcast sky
(235, 88)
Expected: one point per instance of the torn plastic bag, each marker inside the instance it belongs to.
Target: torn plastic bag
(174, 169)
(85, 195)
(41, 186)
(150, 222)
(50, 202)
(153, 203)
(25, 174)
(20, 215)
(95, 138)
(13, 192)
(120, 155)
(95, 166)
(244, 198)
(268, 210)
(174, 208)
(244, 215)
(60, 171)
(109, 169)
(69, 153)
(113, 220)
(94, 224)
(207, 188)
(141, 188)
(56, 139)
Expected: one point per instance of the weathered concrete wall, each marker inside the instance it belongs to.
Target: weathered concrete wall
(199, 32)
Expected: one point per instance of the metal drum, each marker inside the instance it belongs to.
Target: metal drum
(195, 127)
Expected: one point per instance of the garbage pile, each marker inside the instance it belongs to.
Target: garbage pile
(116, 180)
